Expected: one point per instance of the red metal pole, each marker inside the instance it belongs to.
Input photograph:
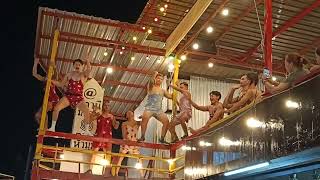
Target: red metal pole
(268, 35)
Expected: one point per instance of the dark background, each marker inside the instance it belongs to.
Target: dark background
(21, 94)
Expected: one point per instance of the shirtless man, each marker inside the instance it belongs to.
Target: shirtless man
(185, 114)
(215, 110)
(74, 82)
(153, 107)
(249, 93)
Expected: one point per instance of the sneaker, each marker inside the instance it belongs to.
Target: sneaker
(53, 126)
(184, 136)
(141, 139)
(161, 140)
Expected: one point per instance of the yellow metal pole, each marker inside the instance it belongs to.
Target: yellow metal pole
(46, 95)
(172, 164)
(186, 24)
(174, 81)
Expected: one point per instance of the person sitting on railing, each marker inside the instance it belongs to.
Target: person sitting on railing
(53, 96)
(248, 93)
(74, 82)
(153, 108)
(105, 122)
(294, 66)
(185, 111)
(316, 66)
(129, 132)
(215, 110)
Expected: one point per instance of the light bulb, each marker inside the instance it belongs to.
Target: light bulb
(109, 70)
(225, 12)
(183, 57)
(209, 29)
(195, 46)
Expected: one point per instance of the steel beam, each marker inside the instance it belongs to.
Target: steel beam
(121, 100)
(226, 61)
(112, 55)
(106, 65)
(118, 83)
(148, 8)
(203, 26)
(111, 44)
(237, 20)
(305, 49)
(290, 23)
(122, 25)
(129, 46)
(106, 140)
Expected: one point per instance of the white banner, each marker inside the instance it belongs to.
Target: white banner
(93, 95)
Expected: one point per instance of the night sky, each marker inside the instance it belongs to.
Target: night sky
(20, 93)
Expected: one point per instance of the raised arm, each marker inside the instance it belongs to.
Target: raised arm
(177, 88)
(151, 81)
(35, 70)
(167, 94)
(229, 99)
(61, 83)
(115, 123)
(201, 108)
(249, 95)
(275, 89)
(88, 67)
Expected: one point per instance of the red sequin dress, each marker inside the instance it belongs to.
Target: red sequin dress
(74, 92)
(53, 96)
(104, 130)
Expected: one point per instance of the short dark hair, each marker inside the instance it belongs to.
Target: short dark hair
(184, 83)
(216, 93)
(253, 77)
(77, 60)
